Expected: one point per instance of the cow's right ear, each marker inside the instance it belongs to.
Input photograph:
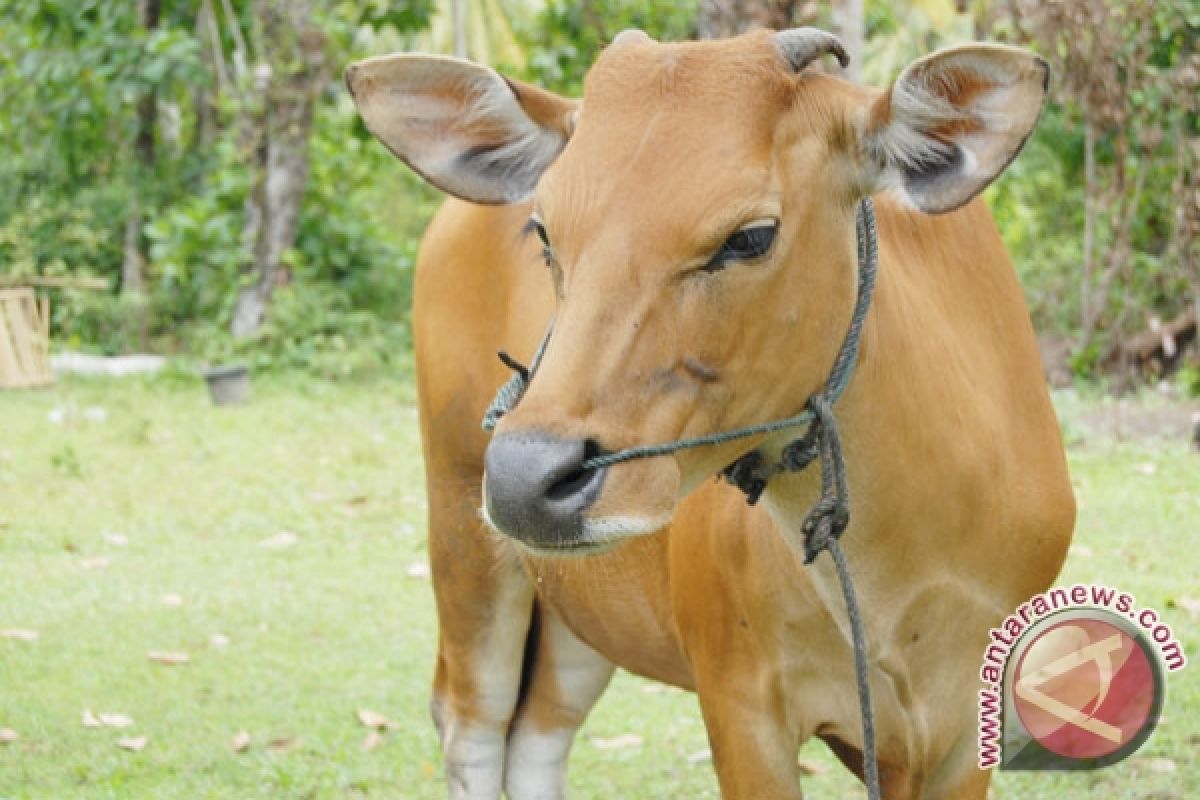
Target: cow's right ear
(462, 126)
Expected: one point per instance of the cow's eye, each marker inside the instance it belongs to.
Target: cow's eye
(748, 244)
(539, 228)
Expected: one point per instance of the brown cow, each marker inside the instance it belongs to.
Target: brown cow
(697, 212)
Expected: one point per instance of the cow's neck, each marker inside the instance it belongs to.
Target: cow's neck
(868, 417)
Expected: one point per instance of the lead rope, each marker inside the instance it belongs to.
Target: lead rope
(829, 516)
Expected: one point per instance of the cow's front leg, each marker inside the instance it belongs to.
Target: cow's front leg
(484, 602)
(753, 746)
(566, 678)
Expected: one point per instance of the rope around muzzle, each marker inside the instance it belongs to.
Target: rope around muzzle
(827, 520)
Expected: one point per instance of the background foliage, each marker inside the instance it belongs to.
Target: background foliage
(1101, 211)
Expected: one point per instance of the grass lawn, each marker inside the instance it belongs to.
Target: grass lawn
(278, 546)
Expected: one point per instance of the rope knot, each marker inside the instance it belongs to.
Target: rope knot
(799, 453)
(749, 473)
(830, 515)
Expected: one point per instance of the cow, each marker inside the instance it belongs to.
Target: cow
(686, 230)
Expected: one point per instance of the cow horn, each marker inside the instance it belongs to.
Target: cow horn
(801, 46)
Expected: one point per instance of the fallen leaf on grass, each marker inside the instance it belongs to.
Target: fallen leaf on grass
(373, 740)
(418, 569)
(1147, 468)
(171, 658)
(373, 719)
(89, 719)
(115, 539)
(134, 743)
(171, 599)
(23, 634)
(96, 562)
(279, 540)
(1163, 766)
(112, 720)
(8, 735)
(281, 744)
(219, 640)
(621, 742)
(241, 740)
(810, 767)
(700, 756)
(1189, 604)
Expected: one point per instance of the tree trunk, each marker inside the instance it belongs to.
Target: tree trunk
(848, 26)
(458, 18)
(719, 19)
(133, 257)
(297, 70)
(1089, 224)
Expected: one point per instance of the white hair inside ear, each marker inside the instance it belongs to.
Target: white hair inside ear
(462, 126)
(952, 122)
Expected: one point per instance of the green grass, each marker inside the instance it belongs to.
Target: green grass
(334, 623)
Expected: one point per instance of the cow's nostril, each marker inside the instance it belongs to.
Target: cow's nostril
(578, 479)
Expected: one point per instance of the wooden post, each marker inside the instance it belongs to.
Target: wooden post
(24, 339)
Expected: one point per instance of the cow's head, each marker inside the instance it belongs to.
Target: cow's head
(697, 209)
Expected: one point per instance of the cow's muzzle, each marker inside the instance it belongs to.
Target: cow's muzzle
(537, 489)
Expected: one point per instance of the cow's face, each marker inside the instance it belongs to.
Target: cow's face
(697, 210)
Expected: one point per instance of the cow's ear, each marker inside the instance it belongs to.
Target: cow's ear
(462, 126)
(952, 122)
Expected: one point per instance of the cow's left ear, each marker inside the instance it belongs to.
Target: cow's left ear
(952, 122)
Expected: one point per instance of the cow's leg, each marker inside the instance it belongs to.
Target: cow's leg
(484, 603)
(566, 678)
(959, 776)
(753, 746)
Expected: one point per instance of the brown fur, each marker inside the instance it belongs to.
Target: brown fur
(961, 506)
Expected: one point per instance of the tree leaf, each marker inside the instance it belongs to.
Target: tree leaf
(113, 720)
(172, 658)
(811, 767)
(23, 634)
(281, 744)
(375, 720)
(623, 741)
(279, 541)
